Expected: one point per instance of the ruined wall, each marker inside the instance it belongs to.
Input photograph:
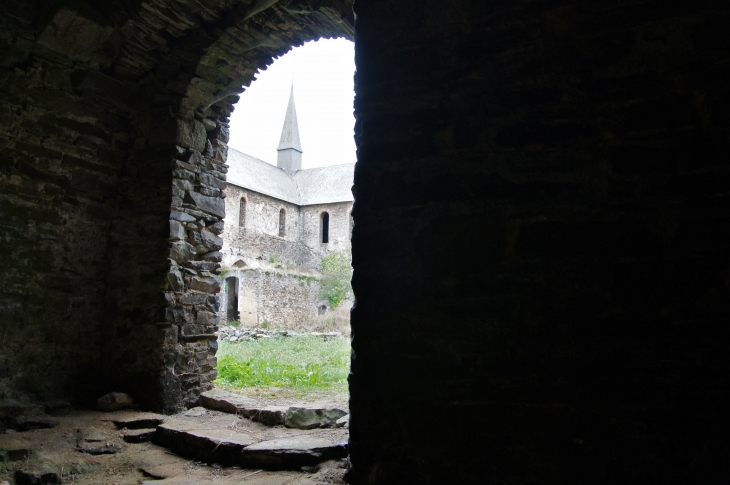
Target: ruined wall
(280, 299)
(278, 275)
(540, 248)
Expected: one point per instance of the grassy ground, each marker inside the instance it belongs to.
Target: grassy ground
(297, 363)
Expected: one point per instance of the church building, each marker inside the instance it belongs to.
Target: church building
(280, 222)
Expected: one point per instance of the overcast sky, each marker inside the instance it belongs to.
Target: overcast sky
(323, 93)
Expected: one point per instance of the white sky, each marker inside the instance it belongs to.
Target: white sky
(323, 92)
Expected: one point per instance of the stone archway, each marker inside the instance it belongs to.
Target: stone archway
(117, 120)
(178, 167)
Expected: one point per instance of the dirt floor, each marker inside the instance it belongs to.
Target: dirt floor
(59, 450)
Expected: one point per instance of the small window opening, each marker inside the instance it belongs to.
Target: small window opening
(325, 228)
(321, 310)
(282, 223)
(242, 213)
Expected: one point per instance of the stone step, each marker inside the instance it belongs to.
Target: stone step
(139, 435)
(134, 419)
(210, 440)
(309, 416)
(292, 453)
(216, 438)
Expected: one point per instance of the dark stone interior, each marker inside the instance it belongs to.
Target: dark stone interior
(542, 222)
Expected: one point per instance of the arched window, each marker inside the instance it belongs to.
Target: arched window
(242, 213)
(282, 223)
(325, 231)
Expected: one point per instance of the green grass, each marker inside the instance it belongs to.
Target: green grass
(302, 363)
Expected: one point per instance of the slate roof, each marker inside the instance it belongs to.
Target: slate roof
(322, 185)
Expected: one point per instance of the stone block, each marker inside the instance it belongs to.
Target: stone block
(227, 402)
(216, 228)
(293, 452)
(206, 284)
(74, 34)
(181, 251)
(179, 131)
(177, 231)
(175, 280)
(216, 256)
(310, 417)
(220, 133)
(182, 216)
(114, 401)
(211, 205)
(211, 241)
(207, 318)
(211, 181)
(23, 477)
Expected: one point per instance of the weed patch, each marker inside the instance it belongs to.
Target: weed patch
(287, 362)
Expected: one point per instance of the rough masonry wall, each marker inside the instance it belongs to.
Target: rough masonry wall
(281, 299)
(259, 241)
(339, 227)
(540, 248)
(113, 126)
(64, 132)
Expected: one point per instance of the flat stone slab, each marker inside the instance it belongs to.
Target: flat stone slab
(307, 416)
(270, 415)
(14, 448)
(294, 452)
(211, 440)
(139, 435)
(135, 419)
(226, 401)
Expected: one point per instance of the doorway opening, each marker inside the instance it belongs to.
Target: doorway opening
(232, 314)
(291, 166)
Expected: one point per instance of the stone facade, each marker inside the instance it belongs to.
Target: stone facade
(278, 275)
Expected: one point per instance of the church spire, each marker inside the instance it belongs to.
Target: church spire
(290, 148)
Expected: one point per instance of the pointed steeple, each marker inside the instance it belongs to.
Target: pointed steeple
(290, 148)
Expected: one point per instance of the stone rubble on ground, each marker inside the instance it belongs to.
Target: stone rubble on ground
(114, 401)
(343, 422)
(310, 417)
(229, 333)
(138, 435)
(36, 478)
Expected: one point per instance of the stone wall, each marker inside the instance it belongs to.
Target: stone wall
(279, 299)
(113, 128)
(64, 132)
(278, 276)
(540, 248)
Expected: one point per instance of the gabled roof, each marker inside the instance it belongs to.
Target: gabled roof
(290, 131)
(323, 185)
